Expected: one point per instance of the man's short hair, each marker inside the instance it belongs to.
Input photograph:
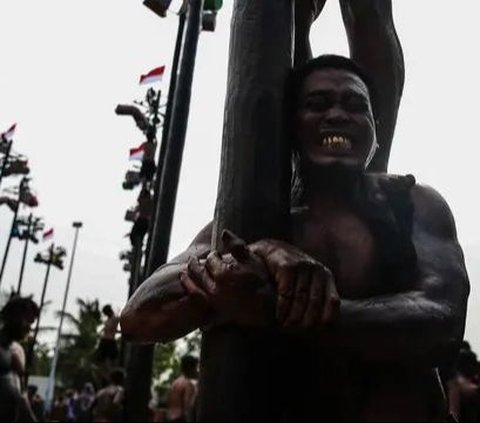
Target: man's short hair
(117, 376)
(107, 309)
(327, 61)
(188, 364)
(19, 306)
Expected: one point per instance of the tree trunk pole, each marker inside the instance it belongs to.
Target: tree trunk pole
(241, 369)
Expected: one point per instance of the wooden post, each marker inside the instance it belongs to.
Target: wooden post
(241, 369)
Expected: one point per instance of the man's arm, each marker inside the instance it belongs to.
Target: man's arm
(375, 46)
(424, 324)
(160, 310)
(306, 12)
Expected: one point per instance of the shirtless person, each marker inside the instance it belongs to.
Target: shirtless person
(16, 317)
(369, 294)
(387, 245)
(182, 393)
(107, 352)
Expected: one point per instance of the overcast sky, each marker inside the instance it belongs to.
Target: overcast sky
(66, 65)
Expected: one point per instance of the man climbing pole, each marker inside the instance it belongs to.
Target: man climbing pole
(344, 309)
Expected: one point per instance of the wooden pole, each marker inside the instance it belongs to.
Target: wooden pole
(241, 369)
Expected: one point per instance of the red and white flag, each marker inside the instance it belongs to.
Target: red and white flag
(8, 134)
(155, 75)
(137, 153)
(48, 234)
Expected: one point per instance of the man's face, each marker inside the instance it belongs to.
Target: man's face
(334, 122)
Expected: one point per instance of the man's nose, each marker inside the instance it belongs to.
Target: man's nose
(336, 115)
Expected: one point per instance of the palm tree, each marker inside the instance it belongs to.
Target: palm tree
(76, 357)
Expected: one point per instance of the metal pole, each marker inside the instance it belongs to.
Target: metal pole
(37, 325)
(22, 267)
(5, 160)
(10, 236)
(51, 377)
(175, 142)
(166, 122)
(139, 366)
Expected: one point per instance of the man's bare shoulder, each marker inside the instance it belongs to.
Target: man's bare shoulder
(432, 212)
(181, 383)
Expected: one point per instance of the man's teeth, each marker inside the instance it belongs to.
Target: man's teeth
(337, 142)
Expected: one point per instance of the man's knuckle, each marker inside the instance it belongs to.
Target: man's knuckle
(301, 296)
(285, 291)
(334, 300)
(316, 300)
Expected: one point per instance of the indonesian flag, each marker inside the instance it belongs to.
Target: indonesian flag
(48, 234)
(137, 153)
(8, 134)
(155, 75)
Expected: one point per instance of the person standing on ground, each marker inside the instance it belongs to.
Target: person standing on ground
(182, 394)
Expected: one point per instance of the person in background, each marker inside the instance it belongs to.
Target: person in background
(85, 402)
(107, 351)
(37, 403)
(17, 316)
(183, 392)
(109, 401)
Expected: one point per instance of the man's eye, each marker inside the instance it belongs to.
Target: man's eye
(356, 105)
(317, 104)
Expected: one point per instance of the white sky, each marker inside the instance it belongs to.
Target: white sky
(66, 65)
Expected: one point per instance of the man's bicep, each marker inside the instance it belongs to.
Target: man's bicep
(442, 274)
(441, 264)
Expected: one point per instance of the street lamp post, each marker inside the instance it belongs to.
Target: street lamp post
(51, 377)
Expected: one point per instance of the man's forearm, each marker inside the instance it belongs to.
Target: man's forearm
(375, 46)
(406, 327)
(160, 310)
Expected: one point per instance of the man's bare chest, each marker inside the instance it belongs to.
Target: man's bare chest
(344, 243)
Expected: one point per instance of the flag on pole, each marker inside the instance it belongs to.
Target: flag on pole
(137, 153)
(155, 75)
(48, 234)
(8, 134)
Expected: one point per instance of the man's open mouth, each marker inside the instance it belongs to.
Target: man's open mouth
(337, 143)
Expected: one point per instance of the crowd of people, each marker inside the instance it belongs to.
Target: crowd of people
(461, 382)
(104, 403)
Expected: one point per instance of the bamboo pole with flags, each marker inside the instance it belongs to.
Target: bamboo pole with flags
(25, 249)
(34, 225)
(21, 188)
(31, 347)
(6, 141)
(54, 257)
